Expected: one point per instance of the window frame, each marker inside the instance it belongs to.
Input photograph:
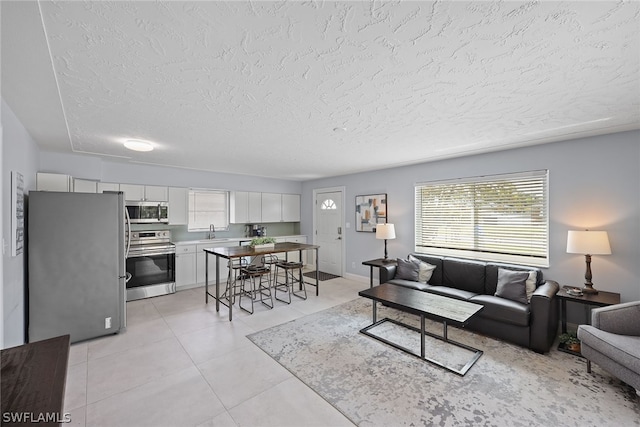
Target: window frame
(223, 227)
(538, 257)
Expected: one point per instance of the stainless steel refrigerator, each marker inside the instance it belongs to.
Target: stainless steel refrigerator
(76, 280)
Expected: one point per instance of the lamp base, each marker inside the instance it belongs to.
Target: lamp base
(588, 289)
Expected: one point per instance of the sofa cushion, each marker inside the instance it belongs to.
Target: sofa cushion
(410, 284)
(622, 349)
(425, 269)
(462, 274)
(491, 279)
(503, 310)
(407, 270)
(436, 274)
(512, 285)
(451, 292)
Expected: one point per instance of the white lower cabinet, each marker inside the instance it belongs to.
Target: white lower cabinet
(295, 256)
(185, 266)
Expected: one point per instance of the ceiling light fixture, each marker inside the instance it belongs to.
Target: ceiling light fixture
(339, 129)
(138, 145)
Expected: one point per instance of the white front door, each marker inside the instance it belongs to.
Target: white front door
(329, 231)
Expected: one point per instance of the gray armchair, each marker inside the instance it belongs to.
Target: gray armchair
(613, 341)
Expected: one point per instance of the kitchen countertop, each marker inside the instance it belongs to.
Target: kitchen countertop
(230, 239)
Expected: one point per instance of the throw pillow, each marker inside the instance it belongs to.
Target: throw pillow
(425, 269)
(530, 284)
(407, 270)
(512, 285)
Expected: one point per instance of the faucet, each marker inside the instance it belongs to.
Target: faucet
(212, 231)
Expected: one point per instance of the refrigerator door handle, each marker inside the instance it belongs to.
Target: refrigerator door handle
(128, 218)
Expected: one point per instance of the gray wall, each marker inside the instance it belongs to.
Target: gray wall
(593, 183)
(19, 153)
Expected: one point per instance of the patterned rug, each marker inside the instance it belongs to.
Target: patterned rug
(374, 384)
(322, 276)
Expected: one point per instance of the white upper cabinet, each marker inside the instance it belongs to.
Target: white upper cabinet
(108, 186)
(290, 208)
(178, 206)
(250, 207)
(53, 182)
(151, 193)
(84, 186)
(245, 207)
(255, 207)
(271, 207)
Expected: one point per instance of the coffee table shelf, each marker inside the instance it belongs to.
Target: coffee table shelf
(444, 309)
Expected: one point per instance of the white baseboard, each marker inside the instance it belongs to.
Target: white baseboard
(358, 278)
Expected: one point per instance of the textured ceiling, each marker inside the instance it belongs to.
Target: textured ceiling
(259, 87)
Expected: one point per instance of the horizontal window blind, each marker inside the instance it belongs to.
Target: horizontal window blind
(208, 207)
(497, 218)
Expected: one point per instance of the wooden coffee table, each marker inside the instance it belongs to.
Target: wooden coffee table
(444, 309)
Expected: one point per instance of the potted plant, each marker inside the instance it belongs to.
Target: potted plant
(263, 243)
(570, 341)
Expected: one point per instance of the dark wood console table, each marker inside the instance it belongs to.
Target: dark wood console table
(33, 380)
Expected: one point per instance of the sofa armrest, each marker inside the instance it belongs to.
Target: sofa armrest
(620, 319)
(544, 316)
(387, 273)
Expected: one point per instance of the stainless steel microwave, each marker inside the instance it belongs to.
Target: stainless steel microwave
(148, 212)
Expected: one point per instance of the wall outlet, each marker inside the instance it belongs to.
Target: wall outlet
(353, 265)
(107, 322)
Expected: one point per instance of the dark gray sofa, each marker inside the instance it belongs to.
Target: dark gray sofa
(533, 325)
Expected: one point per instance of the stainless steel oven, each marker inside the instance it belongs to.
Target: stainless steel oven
(148, 212)
(151, 264)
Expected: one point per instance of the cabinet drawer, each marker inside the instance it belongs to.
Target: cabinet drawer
(185, 249)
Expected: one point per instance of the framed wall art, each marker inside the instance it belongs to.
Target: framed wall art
(371, 209)
(17, 213)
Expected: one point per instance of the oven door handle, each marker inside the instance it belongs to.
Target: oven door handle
(136, 254)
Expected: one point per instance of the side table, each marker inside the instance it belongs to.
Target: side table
(379, 263)
(601, 299)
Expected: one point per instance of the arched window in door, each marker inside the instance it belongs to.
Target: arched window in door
(328, 204)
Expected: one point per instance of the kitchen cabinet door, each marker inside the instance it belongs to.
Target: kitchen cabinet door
(53, 182)
(271, 207)
(239, 207)
(185, 266)
(155, 193)
(84, 186)
(291, 208)
(133, 192)
(255, 208)
(178, 206)
(295, 256)
(108, 186)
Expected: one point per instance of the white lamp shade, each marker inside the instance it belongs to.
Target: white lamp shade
(588, 243)
(385, 231)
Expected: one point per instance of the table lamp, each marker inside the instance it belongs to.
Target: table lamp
(588, 243)
(385, 231)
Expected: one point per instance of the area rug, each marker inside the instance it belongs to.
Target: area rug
(322, 276)
(374, 384)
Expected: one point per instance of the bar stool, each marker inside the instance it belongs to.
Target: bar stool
(234, 278)
(255, 275)
(289, 268)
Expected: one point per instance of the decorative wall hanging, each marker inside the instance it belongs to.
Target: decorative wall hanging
(17, 213)
(370, 210)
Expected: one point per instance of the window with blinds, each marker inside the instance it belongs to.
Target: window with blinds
(500, 218)
(208, 207)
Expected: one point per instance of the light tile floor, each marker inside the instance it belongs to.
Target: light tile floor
(180, 363)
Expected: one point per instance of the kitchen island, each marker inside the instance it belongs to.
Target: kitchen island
(233, 252)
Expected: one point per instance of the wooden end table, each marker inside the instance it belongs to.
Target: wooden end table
(379, 263)
(601, 299)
